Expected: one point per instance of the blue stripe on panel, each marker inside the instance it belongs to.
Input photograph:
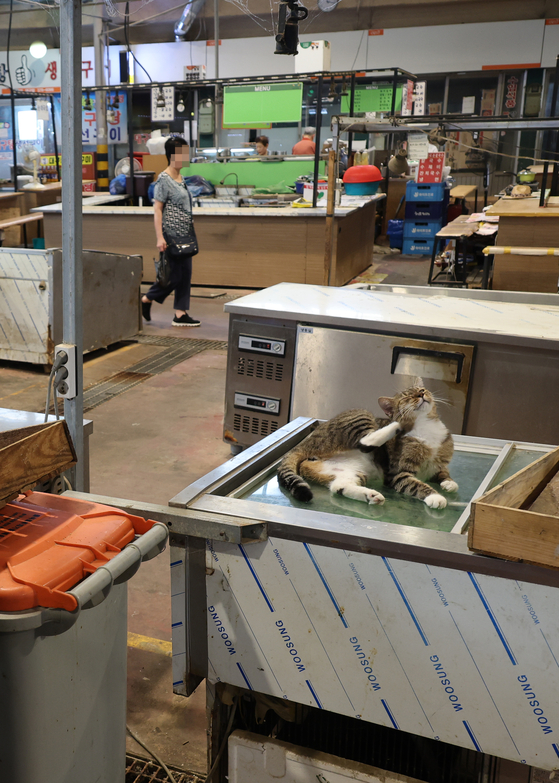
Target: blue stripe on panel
(256, 578)
(315, 697)
(406, 601)
(245, 678)
(389, 713)
(493, 618)
(176, 563)
(477, 746)
(327, 586)
(555, 747)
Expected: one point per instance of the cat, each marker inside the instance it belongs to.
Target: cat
(343, 453)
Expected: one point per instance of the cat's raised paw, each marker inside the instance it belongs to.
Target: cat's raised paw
(374, 497)
(381, 436)
(449, 485)
(435, 501)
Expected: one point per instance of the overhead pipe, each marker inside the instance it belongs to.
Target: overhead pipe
(191, 11)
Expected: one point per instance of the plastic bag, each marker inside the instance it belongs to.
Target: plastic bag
(118, 185)
(198, 186)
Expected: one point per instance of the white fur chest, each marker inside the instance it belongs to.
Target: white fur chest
(431, 432)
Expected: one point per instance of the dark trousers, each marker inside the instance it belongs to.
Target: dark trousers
(181, 274)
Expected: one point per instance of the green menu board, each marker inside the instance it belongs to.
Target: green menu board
(259, 105)
(373, 97)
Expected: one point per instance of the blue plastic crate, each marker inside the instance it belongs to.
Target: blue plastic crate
(425, 210)
(418, 247)
(425, 191)
(395, 233)
(421, 229)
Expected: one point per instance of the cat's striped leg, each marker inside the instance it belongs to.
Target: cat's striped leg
(408, 484)
(381, 436)
(447, 483)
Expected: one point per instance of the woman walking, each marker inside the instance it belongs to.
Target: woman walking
(171, 190)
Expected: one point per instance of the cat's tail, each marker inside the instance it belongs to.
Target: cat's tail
(289, 478)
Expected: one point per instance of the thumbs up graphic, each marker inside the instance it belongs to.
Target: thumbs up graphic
(23, 73)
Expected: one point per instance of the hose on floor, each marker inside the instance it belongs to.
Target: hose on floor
(223, 741)
(151, 753)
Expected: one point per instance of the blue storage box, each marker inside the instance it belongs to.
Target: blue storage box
(422, 229)
(425, 191)
(418, 247)
(395, 233)
(426, 210)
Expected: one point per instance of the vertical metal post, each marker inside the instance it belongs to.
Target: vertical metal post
(55, 137)
(131, 142)
(102, 163)
(544, 184)
(317, 142)
(14, 138)
(216, 36)
(72, 269)
(351, 110)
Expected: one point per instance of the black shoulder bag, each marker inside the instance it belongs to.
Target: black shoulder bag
(178, 231)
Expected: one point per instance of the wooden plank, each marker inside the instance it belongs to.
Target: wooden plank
(21, 220)
(517, 488)
(33, 454)
(463, 191)
(516, 535)
(525, 207)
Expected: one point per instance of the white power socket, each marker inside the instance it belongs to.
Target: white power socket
(66, 377)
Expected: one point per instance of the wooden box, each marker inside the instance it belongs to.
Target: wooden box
(32, 454)
(502, 525)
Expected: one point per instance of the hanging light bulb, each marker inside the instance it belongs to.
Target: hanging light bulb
(160, 100)
(110, 111)
(332, 95)
(180, 105)
(88, 106)
(344, 91)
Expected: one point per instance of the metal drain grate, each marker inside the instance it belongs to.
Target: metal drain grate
(178, 349)
(139, 770)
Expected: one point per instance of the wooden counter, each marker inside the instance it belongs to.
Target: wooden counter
(11, 206)
(246, 247)
(523, 223)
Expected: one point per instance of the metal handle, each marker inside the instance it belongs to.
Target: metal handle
(399, 349)
(93, 590)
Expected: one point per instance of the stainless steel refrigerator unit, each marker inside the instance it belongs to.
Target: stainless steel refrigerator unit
(356, 621)
(303, 350)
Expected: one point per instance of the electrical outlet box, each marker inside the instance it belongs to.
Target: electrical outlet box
(67, 387)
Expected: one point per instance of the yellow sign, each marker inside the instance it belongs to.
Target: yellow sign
(50, 160)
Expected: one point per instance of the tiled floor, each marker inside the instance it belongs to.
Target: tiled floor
(148, 444)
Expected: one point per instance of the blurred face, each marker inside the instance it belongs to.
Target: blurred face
(261, 149)
(181, 157)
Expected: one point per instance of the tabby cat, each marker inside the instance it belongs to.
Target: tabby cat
(343, 453)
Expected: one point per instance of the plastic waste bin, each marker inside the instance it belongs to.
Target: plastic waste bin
(64, 564)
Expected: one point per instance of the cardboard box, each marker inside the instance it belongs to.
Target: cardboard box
(155, 163)
(312, 56)
(502, 525)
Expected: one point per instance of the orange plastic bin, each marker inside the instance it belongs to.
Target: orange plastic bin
(64, 564)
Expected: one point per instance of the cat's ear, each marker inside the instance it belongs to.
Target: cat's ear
(387, 405)
(418, 383)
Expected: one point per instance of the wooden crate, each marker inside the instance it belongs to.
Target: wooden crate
(32, 454)
(502, 525)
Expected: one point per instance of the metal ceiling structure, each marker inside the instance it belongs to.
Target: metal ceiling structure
(154, 21)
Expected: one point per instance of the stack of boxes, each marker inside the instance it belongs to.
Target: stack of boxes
(426, 208)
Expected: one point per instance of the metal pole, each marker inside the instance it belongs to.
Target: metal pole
(102, 162)
(216, 36)
(55, 138)
(351, 110)
(317, 150)
(72, 269)
(14, 138)
(131, 142)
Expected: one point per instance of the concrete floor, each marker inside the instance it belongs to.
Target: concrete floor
(148, 444)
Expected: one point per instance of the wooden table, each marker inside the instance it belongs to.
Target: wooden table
(462, 192)
(523, 223)
(245, 247)
(461, 230)
(11, 205)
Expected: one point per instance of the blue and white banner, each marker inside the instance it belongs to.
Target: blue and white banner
(467, 659)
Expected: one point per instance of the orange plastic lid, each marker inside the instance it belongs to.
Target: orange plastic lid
(49, 543)
(362, 174)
